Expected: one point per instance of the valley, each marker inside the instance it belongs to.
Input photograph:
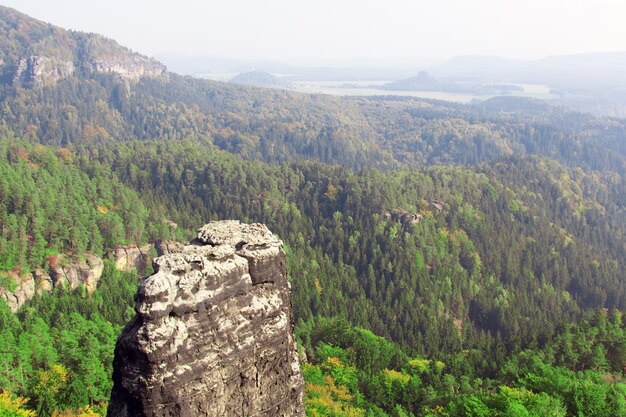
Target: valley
(445, 258)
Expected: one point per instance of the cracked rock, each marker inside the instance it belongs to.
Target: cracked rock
(213, 334)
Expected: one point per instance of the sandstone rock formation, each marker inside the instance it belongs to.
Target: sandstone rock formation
(438, 204)
(213, 333)
(42, 70)
(43, 281)
(69, 273)
(77, 273)
(165, 247)
(129, 257)
(24, 290)
(35, 53)
(130, 66)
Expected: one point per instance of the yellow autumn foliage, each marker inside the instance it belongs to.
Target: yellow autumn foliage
(10, 406)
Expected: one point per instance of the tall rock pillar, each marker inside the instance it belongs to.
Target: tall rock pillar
(213, 334)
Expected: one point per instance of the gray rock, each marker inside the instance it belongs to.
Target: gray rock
(77, 273)
(404, 217)
(24, 290)
(213, 334)
(165, 247)
(129, 257)
(41, 70)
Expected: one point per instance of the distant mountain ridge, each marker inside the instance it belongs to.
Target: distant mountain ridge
(86, 97)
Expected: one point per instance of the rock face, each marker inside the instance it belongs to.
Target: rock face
(41, 70)
(24, 290)
(74, 274)
(43, 281)
(44, 70)
(165, 247)
(129, 257)
(129, 67)
(404, 217)
(213, 333)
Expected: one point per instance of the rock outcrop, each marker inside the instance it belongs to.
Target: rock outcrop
(77, 273)
(130, 66)
(406, 218)
(34, 53)
(165, 247)
(43, 281)
(24, 289)
(65, 272)
(129, 257)
(213, 333)
(42, 70)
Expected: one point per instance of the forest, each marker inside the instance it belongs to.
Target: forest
(467, 287)
(445, 259)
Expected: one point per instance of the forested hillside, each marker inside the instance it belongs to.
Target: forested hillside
(275, 125)
(445, 259)
(111, 100)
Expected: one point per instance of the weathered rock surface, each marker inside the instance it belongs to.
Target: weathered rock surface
(42, 70)
(165, 247)
(130, 66)
(71, 274)
(213, 333)
(129, 257)
(23, 291)
(43, 281)
(74, 274)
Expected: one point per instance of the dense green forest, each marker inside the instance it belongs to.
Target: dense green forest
(496, 267)
(445, 260)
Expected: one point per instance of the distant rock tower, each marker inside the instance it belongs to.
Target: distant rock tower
(213, 334)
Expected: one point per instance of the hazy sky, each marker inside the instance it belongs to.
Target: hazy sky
(299, 31)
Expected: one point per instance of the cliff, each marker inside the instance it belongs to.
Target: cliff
(67, 272)
(213, 333)
(73, 273)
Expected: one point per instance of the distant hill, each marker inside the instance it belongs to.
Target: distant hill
(87, 96)
(425, 82)
(593, 83)
(260, 79)
(37, 53)
(422, 82)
